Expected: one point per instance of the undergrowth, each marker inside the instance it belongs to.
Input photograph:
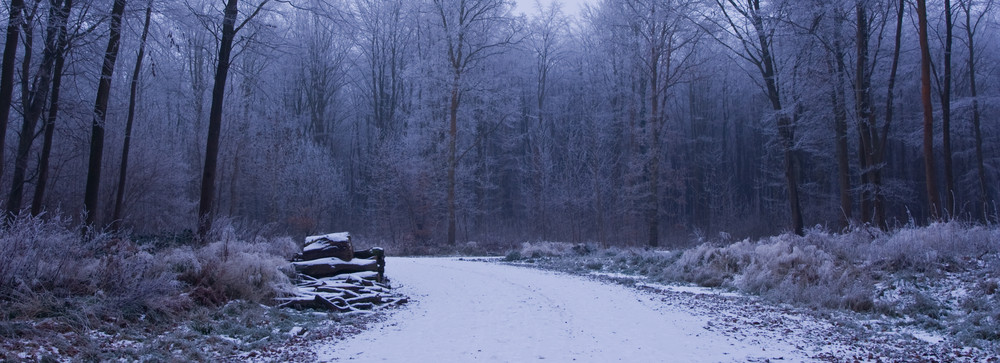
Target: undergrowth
(944, 277)
(108, 297)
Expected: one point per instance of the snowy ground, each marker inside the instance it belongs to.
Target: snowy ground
(475, 311)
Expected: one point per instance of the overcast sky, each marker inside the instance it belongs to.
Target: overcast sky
(570, 7)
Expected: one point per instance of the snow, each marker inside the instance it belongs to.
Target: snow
(693, 290)
(475, 311)
(335, 261)
(357, 276)
(686, 289)
(925, 336)
(336, 237)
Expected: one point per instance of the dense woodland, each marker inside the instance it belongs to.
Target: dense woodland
(639, 122)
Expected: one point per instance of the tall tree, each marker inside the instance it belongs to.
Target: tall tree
(100, 115)
(930, 172)
(871, 143)
(229, 30)
(33, 104)
(879, 144)
(972, 27)
(50, 120)
(473, 31)
(548, 30)
(838, 68)
(662, 35)
(746, 22)
(14, 23)
(945, 93)
(116, 218)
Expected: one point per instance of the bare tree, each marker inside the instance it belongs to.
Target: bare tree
(972, 26)
(930, 172)
(37, 97)
(473, 31)
(50, 121)
(14, 23)
(944, 89)
(746, 22)
(229, 30)
(100, 115)
(116, 218)
(663, 33)
(548, 32)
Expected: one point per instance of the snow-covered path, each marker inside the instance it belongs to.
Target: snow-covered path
(467, 311)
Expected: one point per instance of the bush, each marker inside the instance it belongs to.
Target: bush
(48, 270)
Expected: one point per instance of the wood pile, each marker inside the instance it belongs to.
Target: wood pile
(332, 276)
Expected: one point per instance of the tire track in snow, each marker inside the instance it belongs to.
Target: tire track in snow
(473, 311)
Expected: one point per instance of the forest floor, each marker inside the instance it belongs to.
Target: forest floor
(475, 310)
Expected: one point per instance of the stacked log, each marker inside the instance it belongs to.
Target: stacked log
(332, 276)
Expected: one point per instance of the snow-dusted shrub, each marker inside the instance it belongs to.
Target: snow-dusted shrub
(39, 254)
(786, 269)
(711, 266)
(46, 266)
(938, 244)
(782, 268)
(545, 249)
(128, 280)
(233, 269)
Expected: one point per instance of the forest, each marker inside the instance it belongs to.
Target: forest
(634, 123)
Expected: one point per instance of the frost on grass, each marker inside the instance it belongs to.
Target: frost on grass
(944, 277)
(110, 297)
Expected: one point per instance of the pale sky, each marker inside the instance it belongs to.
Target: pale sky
(569, 7)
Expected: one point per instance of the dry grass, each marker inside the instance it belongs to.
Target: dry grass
(55, 285)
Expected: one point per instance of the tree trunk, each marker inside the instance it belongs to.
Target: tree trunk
(930, 172)
(50, 122)
(215, 120)
(133, 89)
(33, 109)
(890, 96)
(839, 98)
(970, 30)
(16, 17)
(452, 153)
(949, 174)
(653, 168)
(868, 133)
(100, 115)
(786, 132)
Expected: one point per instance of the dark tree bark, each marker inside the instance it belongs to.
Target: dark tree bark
(463, 52)
(100, 115)
(37, 97)
(838, 96)
(949, 173)
(133, 88)
(229, 30)
(50, 121)
(14, 22)
(215, 120)
(970, 34)
(456, 96)
(872, 202)
(930, 172)
(786, 130)
(883, 139)
(757, 43)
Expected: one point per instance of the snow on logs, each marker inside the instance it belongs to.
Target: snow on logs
(336, 245)
(332, 276)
